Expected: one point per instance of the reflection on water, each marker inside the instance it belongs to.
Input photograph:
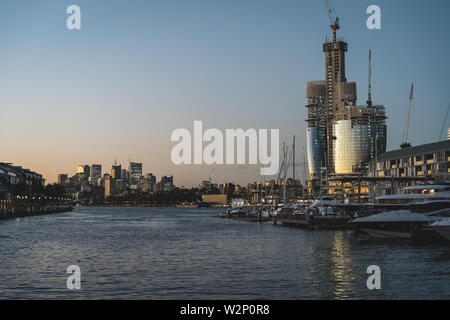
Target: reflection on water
(341, 275)
(170, 253)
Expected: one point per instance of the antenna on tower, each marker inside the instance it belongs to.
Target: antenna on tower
(369, 98)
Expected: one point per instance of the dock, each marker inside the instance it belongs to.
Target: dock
(10, 210)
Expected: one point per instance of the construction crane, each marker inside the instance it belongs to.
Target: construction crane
(369, 98)
(405, 143)
(445, 121)
(334, 20)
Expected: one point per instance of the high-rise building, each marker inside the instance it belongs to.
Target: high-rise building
(341, 136)
(125, 175)
(316, 127)
(62, 178)
(167, 183)
(109, 185)
(116, 171)
(448, 134)
(135, 170)
(84, 169)
(96, 172)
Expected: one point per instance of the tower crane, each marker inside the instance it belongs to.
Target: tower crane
(405, 143)
(334, 20)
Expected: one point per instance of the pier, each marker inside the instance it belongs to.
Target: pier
(10, 209)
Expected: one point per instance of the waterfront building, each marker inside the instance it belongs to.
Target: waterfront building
(431, 162)
(62, 178)
(96, 172)
(18, 179)
(220, 199)
(358, 137)
(341, 136)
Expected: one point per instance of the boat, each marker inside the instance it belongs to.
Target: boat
(237, 211)
(398, 224)
(325, 201)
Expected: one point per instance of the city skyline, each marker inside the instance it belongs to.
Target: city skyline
(113, 88)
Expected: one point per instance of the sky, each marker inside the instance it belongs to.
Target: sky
(137, 70)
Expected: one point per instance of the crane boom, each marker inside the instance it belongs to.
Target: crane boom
(405, 143)
(445, 121)
(334, 20)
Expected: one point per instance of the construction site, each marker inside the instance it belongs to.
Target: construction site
(343, 137)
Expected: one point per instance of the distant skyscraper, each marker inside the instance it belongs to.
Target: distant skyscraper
(448, 134)
(116, 172)
(96, 172)
(62, 178)
(125, 175)
(84, 169)
(135, 170)
(109, 185)
(167, 183)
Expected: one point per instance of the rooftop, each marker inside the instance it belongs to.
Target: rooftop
(418, 150)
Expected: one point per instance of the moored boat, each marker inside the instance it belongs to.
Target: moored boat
(398, 224)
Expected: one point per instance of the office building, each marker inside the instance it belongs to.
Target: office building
(96, 172)
(62, 178)
(135, 170)
(167, 183)
(116, 171)
(84, 169)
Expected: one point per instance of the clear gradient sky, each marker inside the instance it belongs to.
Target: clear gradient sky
(137, 70)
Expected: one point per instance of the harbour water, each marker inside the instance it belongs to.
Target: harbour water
(181, 253)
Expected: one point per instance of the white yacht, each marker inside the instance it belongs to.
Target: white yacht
(397, 224)
(402, 224)
(237, 210)
(325, 201)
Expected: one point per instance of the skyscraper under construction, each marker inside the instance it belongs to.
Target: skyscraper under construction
(341, 136)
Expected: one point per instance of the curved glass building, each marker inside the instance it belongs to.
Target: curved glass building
(351, 146)
(315, 151)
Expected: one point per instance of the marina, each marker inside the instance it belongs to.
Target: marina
(187, 253)
(420, 213)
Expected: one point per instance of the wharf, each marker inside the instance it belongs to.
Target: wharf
(9, 210)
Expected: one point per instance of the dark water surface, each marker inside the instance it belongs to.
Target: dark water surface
(174, 253)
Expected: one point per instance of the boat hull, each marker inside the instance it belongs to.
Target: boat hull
(387, 234)
(443, 231)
